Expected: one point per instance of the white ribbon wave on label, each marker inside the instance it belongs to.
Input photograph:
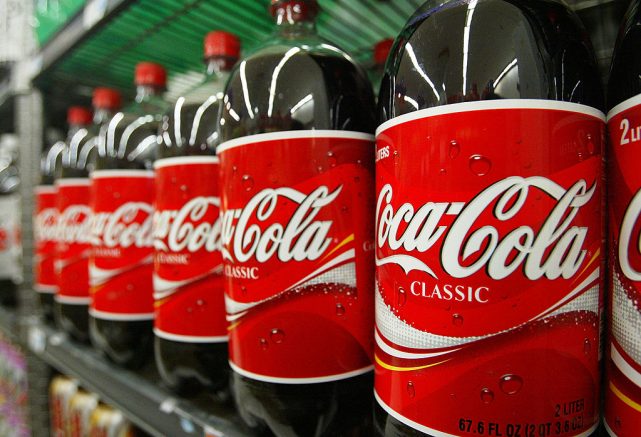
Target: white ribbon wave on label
(626, 321)
(98, 276)
(399, 332)
(344, 275)
(407, 263)
(164, 287)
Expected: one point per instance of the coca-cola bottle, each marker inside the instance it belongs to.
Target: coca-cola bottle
(623, 353)
(122, 193)
(297, 231)
(45, 228)
(10, 221)
(70, 195)
(489, 223)
(74, 220)
(190, 325)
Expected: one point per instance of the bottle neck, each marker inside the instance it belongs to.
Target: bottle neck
(147, 92)
(102, 115)
(219, 66)
(290, 22)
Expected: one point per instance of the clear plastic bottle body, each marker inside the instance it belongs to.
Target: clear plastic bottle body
(189, 128)
(298, 81)
(129, 343)
(78, 161)
(470, 50)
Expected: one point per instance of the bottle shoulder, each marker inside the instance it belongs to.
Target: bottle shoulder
(489, 49)
(625, 72)
(291, 85)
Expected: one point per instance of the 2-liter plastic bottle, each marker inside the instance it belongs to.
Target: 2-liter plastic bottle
(122, 195)
(297, 231)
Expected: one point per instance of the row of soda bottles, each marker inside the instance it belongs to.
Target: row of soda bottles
(468, 270)
(13, 390)
(76, 412)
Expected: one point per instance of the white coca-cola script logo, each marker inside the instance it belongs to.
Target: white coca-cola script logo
(297, 237)
(185, 229)
(74, 225)
(554, 250)
(122, 228)
(45, 225)
(628, 224)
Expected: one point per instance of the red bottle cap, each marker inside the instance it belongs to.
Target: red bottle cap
(381, 51)
(219, 43)
(106, 98)
(79, 115)
(149, 73)
(301, 10)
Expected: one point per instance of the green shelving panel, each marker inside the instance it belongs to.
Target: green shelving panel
(51, 15)
(171, 31)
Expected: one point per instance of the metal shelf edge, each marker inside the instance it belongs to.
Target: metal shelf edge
(153, 409)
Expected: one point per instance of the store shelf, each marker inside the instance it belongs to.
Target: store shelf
(138, 395)
(81, 26)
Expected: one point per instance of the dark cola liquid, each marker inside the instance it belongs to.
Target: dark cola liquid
(126, 343)
(187, 368)
(625, 78)
(517, 49)
(45, 301)
(340, 98)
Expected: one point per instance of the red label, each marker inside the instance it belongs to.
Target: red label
(45, 224)
(297, 252)
(121, 265)
(623, 390)
(73, 241)
(188, 282)
(488, 254)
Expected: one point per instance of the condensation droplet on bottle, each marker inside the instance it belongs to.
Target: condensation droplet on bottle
(243, 290)
(200, 303)
(591, 147)
(174, 179)
(401, 296)
(457, 319)
(234, 169)
(510, 384)
(248, 182)
(183, 187)
(340, 309)
(331, 159)
(263, 343)
(344, 209)
(442, 172)
(587, 346)
(116, 195)
(455, 149)
(277, 335)
(617, 422)
(130, 287)
(487, 396)
(480, 165)
(411, 391)
(357, 179)
(396, 154)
